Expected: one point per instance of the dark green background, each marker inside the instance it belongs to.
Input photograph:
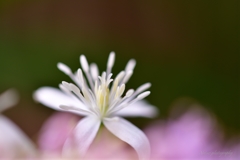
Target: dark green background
(184, 48)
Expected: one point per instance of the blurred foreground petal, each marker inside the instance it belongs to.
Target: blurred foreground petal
(56, 130)
(13, 142)
(8, 99)
(186, 137)
(83, 135)
(130, 134)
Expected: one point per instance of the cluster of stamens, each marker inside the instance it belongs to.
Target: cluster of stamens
(95, 91)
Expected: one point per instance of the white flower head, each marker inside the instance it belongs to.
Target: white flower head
(101, 99)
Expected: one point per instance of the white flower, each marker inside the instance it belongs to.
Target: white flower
(13, 142)
(94, 98)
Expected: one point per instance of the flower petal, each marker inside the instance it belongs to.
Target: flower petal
(138, 109)
(56, 130)
(13, 141)
(130, 134)
(83, 135)
(8, 99)
(54, 98)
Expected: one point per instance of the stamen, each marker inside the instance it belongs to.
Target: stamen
(110, 62)
(127, 77)
(130, 65)
(109, 76)
(96, 87)
(120, 76)
(75, 90)
(84, 63)
(124, 104)
(67, 108)
(139, 97)
(66, 85)
(115, 83)
(129, 93)
(114, 88)
(64, 68)
(94, 71)
(143, 95)
(121, 90)
(80, 77)
(141, 89)
(108, 82)
(65, 90)
(85, 68)
(97, 97)
(118, 101)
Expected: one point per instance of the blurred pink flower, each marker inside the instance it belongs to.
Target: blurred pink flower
(59, 127)
(191, 136)
(56, 130)
(231, 150)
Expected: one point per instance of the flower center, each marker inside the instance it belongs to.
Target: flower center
(102, 97)
(95, 92)
(102, 92)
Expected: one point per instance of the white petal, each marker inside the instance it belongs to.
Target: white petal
(138, 109)
(143, 95)
(83, 135)
(110, 62)
(64, 68)
(13, 140)
(94, 71)
(84, 63)
(53, 98)
(129, 92)
(130, 65)
(127, 76)
(130, 134)
(8, 99)
(143, 87)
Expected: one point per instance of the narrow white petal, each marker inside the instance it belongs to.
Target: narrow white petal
(8, 99)
(127, 76)
(121, 90)
(13, 140)
(130, 65)
(83, 135)
(110, 62)
(84, 63)
(143, 95)
(53, 98)
(129, 92)
(64, 89)
(64, 68)
(85, 67)
(74, 110)
(143, 87)
(140, 90)
(129, 133)
(94, 71)
(80, 77)
(139, 109)
(138, 98)
(120, 76)
(111, 59)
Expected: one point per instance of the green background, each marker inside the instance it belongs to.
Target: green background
(187, 49)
